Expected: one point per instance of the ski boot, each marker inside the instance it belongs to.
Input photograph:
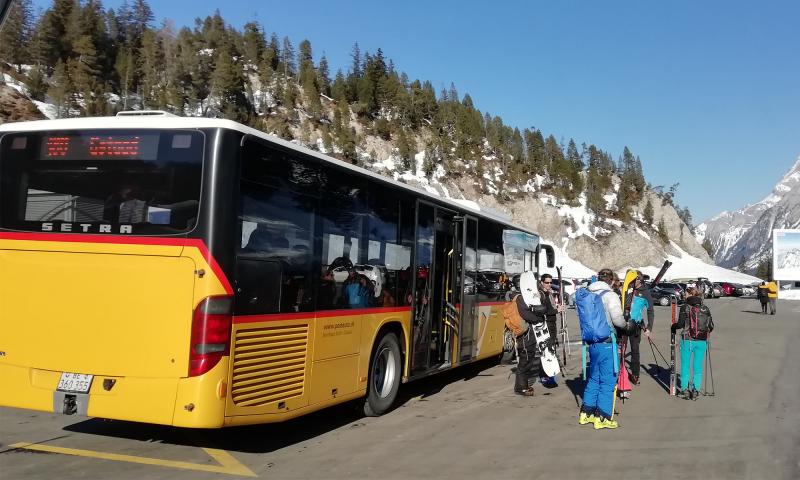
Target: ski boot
(586, 418)
(693, 394)
(603, 422)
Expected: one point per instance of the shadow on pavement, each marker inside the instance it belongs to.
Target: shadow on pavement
(576, 386)
(753, 311)
(267, 438)
(659, 374)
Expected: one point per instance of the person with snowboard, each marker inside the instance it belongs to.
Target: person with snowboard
(762, 293)
(549, 312)
(635, 335)
(598, 395)
(696, 321)
(530, 310)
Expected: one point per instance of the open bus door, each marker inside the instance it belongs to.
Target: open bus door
(438, 288)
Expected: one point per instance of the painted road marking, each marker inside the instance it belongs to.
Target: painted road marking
(227, 463)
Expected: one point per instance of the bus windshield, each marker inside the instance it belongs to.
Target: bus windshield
(144, 182)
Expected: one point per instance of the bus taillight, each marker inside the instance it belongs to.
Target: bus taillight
(211, 334)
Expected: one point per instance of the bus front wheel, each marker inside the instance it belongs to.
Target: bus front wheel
(384, 376)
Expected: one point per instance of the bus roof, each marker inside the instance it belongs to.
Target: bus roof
(162, 121)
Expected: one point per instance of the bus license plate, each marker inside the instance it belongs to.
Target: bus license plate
(75, 382)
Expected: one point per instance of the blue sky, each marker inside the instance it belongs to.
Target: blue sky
(706, 93)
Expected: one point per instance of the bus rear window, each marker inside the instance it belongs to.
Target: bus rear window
(125, 182)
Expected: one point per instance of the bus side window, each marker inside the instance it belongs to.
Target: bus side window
(277, 224)
(253, 295)
(343, 262)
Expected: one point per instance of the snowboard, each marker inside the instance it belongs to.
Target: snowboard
(546, 348)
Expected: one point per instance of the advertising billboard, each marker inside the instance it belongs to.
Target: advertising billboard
(786, 254)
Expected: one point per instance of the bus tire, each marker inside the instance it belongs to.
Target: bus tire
(385, 368)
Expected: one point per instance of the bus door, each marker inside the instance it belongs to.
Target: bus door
(437, 288)
(469, 303)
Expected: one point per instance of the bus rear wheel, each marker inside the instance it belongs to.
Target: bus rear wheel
(384, 376)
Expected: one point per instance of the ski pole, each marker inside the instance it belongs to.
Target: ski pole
(710, 370)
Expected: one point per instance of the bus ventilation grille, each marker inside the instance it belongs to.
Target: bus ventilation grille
(269, 364)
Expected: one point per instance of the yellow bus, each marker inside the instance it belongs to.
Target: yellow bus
(199, 273)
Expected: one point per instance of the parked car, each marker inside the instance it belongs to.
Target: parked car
(667, 289)
(663, 296)
(716, 290)
(569, 289)
(727, 289)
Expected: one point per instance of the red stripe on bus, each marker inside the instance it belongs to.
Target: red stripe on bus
(123, 240)
(275, 317)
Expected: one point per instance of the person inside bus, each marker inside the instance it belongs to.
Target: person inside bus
(326, 296)
(356, 290)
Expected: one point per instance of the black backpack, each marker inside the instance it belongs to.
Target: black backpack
(699, 322)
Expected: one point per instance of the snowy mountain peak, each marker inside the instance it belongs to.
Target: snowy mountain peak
(745, 233)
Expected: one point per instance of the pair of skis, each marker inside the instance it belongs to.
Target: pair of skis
(564, 332)
(628, 293)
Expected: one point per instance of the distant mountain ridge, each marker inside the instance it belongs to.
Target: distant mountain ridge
(747, 233)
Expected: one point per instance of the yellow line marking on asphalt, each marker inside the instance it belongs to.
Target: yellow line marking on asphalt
(227, 463)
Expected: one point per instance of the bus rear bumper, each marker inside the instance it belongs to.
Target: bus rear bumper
(184, 402)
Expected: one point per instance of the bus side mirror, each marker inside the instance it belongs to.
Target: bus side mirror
(551, 255)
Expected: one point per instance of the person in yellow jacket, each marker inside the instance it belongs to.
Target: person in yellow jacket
(772, 294)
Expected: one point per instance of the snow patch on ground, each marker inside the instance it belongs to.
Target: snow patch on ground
(613, 221)
(48, 109)
(569, 268)
(642, 233)
(611, 200)
(580, 215)
(789, 294)
(686, 265)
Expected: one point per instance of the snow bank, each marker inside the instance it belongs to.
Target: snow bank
(569, 268)
(687, 266)
(789, 294)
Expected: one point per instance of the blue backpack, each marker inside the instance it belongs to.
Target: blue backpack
(592, 316)
(638, 307)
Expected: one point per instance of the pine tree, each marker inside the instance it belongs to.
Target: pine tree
(648, 213)
(405, 150)
(61, 90)
(37, 85)
(253, 44)
(308, 78)
(662, 231)
(150, 68)
(764, 269)
(323, 76)
(227, 84)
(287, 65)
(15, 34)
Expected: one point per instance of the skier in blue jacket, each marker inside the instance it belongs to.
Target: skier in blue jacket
(598, 396)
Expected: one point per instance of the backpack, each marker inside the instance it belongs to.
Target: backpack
(514, 321)
(638, 307)
(700, 323)
(592, 316)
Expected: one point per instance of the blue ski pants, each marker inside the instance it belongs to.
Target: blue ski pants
(599, 392)
(693, 353)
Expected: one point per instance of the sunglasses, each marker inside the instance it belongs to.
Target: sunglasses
(547, 283)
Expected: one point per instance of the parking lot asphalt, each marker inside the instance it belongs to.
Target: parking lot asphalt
(468, 424)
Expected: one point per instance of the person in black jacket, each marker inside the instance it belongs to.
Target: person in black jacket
(635, 335)
(531, 310)
(548, 314)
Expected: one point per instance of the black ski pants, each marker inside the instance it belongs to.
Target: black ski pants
(635, 339)
(529, 364)
(764, 306)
